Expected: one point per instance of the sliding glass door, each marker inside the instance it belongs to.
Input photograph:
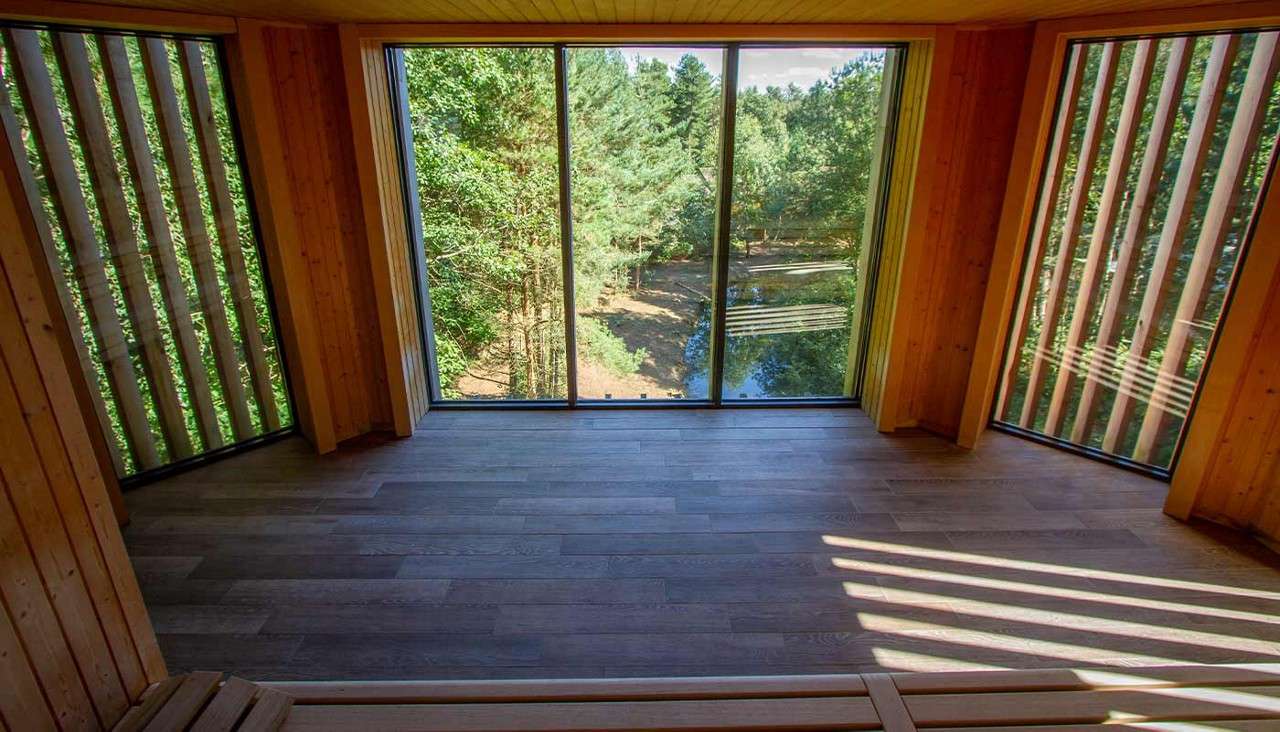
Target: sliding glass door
(645, 223)
(806, 153)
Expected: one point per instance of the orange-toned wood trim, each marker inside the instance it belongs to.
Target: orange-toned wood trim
(622, 32)
(273, 199)
(111, 16)
(1237, 342)
(1176, 20)
(915, 244)
(362, 61)
(1034, 123)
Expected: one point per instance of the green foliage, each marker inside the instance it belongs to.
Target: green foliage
(601, 346)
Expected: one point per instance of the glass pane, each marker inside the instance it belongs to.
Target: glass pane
(644, 126)
(484, 141)
(809, 128)
(1148, 194)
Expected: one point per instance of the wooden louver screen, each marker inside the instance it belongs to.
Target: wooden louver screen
(126, 153)
(1159, 150)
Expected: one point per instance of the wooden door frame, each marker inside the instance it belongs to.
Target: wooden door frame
(1022, 190)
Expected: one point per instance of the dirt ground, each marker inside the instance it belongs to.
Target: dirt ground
(659, 318)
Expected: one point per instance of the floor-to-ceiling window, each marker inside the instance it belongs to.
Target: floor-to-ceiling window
(640, 223)
(1160, 149)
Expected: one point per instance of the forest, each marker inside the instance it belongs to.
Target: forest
(645, 142)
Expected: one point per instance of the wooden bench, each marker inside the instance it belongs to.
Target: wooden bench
(203, 702)
(1244, 697)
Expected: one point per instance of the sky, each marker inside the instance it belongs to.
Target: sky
(761, 67)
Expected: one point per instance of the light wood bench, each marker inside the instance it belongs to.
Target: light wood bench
(202, 702)
(1244, 697)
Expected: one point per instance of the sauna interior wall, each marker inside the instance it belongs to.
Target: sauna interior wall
(312, 112)
(940, 307)
(76, 646)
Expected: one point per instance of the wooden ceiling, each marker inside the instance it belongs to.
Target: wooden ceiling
(660, 11)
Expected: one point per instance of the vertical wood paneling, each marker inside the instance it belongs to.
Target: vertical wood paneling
(372, 124)
(326, 202)
(985, 86)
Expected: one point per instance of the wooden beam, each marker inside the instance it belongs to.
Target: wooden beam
(1129, 247)
(177, 153)
(1194, 155)
(155, 222)
(1242, 140)
(1048, 202)
(1144, 59)
(122, 242)
(1059, 282)
(251, 76)
(36, 87)
(224, 215)
(368, 97)
(112, 16)
(32, 241)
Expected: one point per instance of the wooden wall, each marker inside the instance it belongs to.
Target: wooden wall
(76, 646)
(372, 126)
(1229, 469)
(312, 113)
(943, 301)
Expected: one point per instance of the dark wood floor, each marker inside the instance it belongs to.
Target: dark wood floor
(538, 544)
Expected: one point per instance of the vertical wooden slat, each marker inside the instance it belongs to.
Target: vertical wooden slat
(1058, 283)
(1053, 167)
(21, 700)
(1130, 120)
(224, 216)
(146, 186)
(1129, 248)
(155, 59)
(1181, 200)
(1251, 108)
(30, 195)
(37, 627)
(64, 188)
(108, 190)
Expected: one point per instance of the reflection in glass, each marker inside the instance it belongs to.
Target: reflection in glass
(484, 136)
(1141, 223)
(643, 125)
(807, 141)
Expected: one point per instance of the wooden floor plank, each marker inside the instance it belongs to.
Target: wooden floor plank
(539, 559)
